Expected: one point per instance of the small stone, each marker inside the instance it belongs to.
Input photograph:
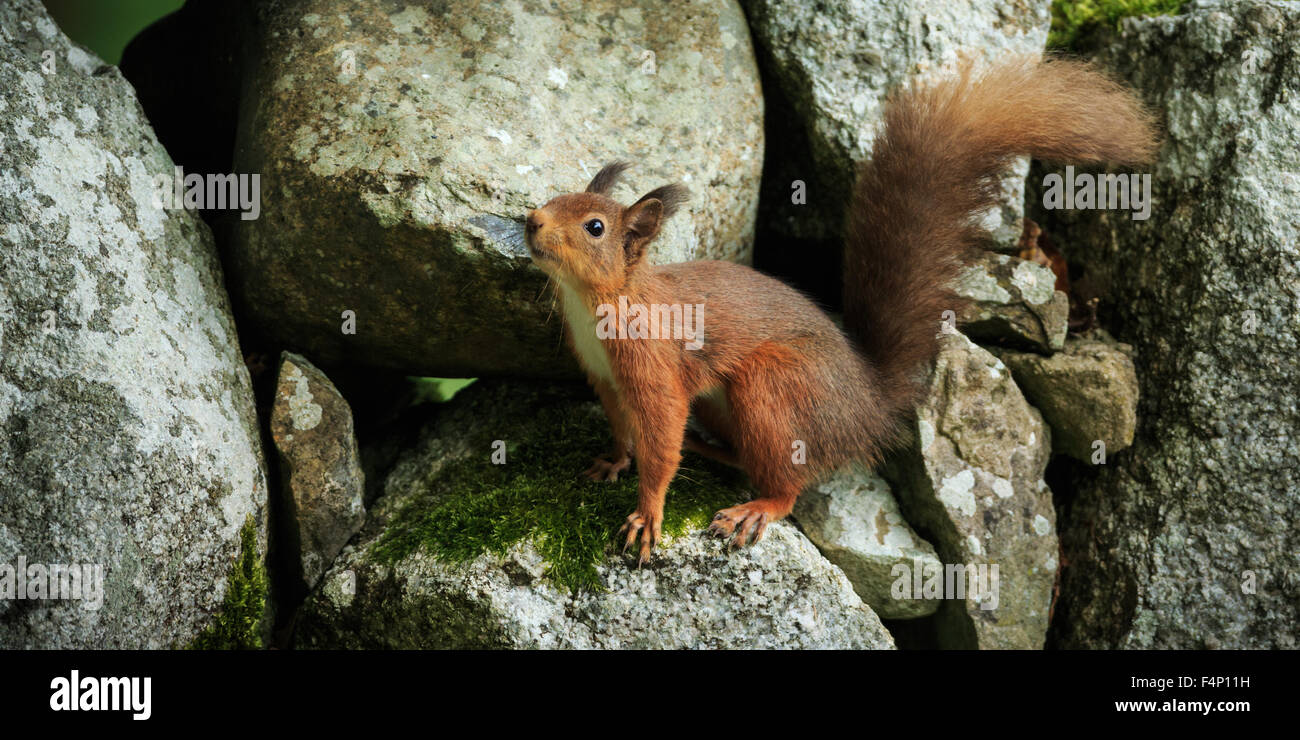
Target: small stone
(1088, 393)
(322, 482)
(1013, 302)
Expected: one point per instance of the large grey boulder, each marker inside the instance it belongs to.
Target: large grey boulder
(430, 571)
(972, 481)
(835, 64)
(1188, 540)
(128, 440)
(401, 145)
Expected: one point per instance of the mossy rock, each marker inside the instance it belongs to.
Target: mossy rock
(461, 551)
(1076, 24)
(243, 622)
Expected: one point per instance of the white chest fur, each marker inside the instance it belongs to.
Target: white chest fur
(582, 327)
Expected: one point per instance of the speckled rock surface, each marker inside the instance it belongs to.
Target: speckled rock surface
(973, 482)
(1087, 393)
(694, 593)
(127, 432)
(401, 146)
(855, 522)
(323, 486)
(1012, 301)
(1189, 539)
(837, 62)
(783, 594)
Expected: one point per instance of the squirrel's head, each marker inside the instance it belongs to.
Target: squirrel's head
(593, 240)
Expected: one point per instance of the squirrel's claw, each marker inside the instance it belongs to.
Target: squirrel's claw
(745, 524)
(643, 527)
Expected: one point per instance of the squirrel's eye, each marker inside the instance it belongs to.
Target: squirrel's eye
(594, 227)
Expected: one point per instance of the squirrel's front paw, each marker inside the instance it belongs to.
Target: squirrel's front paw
(646, 528)
(603, 470)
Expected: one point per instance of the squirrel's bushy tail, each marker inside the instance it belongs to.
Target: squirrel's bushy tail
(936, 169)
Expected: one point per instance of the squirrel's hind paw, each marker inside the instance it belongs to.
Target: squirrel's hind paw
(603, 469)
(745, 523)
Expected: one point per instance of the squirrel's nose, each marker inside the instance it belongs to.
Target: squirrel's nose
(533, 223)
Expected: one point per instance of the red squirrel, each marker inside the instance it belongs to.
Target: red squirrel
(773, 374)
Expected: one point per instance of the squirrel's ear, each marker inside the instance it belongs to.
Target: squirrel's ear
(642, 223)
(644, 217)
(605, 179)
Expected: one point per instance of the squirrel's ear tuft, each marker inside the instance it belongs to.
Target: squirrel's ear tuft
(672, 196)
(605, 179)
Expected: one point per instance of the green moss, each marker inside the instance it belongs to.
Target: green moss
(1076, 21)
(238, 625)
(474, 506)
(438, 390)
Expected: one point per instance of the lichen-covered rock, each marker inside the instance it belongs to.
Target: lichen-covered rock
(973, 482)
(1087, 393)
(854, 520)
(1012, 301)
(1188, 540)
(836, 63)
(698, 594)
(323, 486)
(471, 542)
(128, 440)
(400, 146)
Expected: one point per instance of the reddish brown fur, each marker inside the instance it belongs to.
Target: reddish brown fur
(788, 375)
(937, 166)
